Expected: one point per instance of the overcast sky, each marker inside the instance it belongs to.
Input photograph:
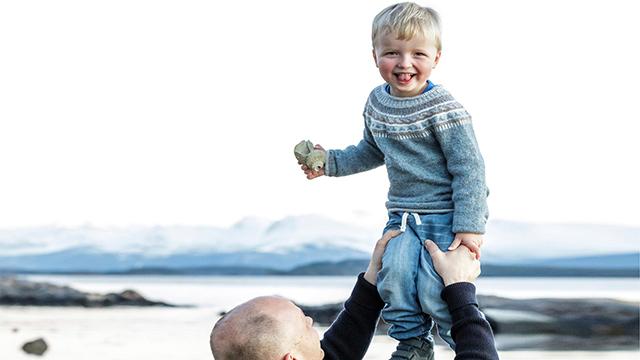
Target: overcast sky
(143, 112)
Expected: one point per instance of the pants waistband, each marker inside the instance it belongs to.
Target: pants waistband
(405, 216)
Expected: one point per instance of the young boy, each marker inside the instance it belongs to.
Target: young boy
(437, 188)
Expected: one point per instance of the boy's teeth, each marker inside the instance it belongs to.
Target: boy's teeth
(404, 77)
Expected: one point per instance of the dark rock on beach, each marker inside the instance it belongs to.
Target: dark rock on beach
(21, 292)
(35, 347)
(579, 317)
(554, 324)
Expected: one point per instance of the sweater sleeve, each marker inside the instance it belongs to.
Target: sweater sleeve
(465, 164)
(350, 334)
(355, 158)
(470, 330)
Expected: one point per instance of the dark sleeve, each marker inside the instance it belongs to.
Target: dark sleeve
(350, 334)
(470, 330)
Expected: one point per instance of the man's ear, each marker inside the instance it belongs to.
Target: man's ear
(375, 58)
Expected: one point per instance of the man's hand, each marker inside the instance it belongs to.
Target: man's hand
(470, 240)
(309, 172)
(371, 275)
(459, 265)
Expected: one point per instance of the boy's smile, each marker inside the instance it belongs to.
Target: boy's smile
(405, 64)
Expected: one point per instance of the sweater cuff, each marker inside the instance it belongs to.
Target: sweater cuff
(458, 295)
(461, 224)
(330, 166)
(366, 295)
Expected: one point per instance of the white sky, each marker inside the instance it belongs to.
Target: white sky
(155, 112)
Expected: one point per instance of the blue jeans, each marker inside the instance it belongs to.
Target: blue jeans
(408, 282)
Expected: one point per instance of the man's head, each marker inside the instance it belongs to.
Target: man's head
(268, 327)
(406, 47)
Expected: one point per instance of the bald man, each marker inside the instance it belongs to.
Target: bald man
(273, 328)
(267, 327)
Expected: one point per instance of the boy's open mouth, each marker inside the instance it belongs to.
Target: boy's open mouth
(404, 77)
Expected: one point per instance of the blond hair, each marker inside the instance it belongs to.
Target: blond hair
(407, 20)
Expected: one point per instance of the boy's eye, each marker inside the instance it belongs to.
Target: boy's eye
(390, 53)
(422, 54)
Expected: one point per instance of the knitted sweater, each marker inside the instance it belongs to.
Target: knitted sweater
(349, 336)
(429, 148)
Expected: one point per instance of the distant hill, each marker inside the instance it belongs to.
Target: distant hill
(557, 268)
(613, 261)
(354, 267)
(92, 260)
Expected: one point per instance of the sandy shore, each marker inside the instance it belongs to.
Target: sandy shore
(168, 334)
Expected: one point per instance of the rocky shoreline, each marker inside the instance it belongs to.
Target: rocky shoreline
(553, 324)
(18, 292)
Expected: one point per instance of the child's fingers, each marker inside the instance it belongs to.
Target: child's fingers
(456, 242)
(311, 174)
(474, 249)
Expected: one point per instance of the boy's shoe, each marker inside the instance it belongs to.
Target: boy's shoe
(413, 349)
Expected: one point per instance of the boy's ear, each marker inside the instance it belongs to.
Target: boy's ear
(375, 58)
(437, 59)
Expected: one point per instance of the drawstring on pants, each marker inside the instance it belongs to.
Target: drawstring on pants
(405, 216)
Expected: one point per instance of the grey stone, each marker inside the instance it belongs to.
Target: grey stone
(35, 347)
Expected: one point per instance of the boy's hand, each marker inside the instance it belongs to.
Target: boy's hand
(309, 172)
(470, 240)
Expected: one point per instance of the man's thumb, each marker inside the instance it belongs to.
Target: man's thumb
(432, 248)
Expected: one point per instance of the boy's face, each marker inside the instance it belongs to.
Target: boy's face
(405, 64)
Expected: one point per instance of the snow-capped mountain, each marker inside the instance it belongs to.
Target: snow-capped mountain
(283, 244)
(249, 234)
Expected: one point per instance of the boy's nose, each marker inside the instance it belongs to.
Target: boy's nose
(405, 62)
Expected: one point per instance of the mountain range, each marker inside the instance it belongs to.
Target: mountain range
(295, 242)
